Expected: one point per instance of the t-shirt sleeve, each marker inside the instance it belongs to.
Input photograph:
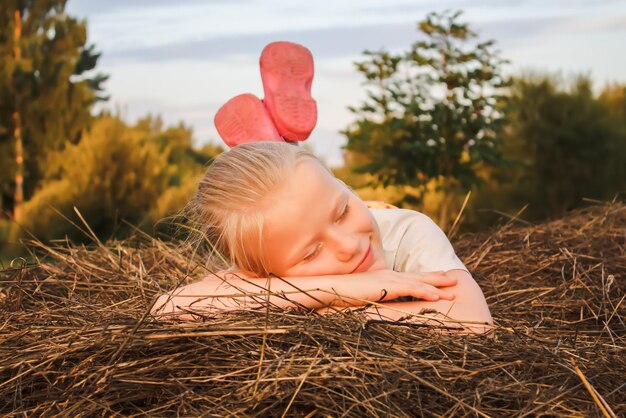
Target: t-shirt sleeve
(425, 247)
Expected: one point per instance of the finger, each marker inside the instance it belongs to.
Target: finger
(427, 292)
(437, 279)
(444, 294)
(432, 293)
(429, 296)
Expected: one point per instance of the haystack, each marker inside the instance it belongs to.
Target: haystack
(76, 340)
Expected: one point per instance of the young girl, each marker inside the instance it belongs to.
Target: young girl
(298, 238)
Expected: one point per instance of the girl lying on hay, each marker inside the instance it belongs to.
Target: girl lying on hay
(297, 237)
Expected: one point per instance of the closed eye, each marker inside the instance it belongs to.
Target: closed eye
(318, 247)
(313, 254)
(345, 212)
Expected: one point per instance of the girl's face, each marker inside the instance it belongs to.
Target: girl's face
(315, 226)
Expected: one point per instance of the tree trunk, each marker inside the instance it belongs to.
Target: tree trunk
(17, 124)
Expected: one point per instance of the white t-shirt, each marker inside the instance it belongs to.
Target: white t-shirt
(413, 242)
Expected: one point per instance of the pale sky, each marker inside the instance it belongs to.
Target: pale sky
(183, 59)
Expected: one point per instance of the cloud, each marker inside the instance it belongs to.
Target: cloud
(384, 9)
(517, 30)
(96, 7)
(329, 42)
(609, 23)
(326, 42)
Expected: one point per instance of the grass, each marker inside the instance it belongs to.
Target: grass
(76, 340)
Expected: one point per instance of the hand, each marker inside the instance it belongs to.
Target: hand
(387, 285)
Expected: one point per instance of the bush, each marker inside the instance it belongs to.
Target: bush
(113, 174)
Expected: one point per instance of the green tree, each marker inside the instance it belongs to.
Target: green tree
(613, 98)
(572, 145)
(47, 89)
(112, 174)
(176, 142)
(433, 113)
(137, 174)
(185, 165)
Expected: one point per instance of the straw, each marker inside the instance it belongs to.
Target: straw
(76, 340)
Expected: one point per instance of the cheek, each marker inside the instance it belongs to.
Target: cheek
(323, 265)
(364, 219)
(273, 260)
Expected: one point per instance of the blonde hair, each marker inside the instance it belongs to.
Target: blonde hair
(228, 206)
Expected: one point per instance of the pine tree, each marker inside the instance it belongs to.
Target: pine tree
(47, 90)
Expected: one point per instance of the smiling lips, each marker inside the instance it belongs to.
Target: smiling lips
(366, 262)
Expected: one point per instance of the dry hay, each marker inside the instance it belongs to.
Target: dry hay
(75, 339)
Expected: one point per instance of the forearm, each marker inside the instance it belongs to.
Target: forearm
(458, 319)
(468, 312)
(469, 303)
(229, 291)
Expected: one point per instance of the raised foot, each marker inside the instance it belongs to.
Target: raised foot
(287, 74)
(244, 119)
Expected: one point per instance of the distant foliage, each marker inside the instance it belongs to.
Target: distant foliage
(52, 87)
(433, 113)
(116, 173)
(569, 143)
(613, 99)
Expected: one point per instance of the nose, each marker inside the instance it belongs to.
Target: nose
(344, 243)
